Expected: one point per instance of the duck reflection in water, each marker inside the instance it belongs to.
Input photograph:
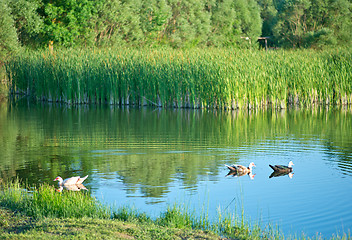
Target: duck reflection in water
(279, 174)
(236, 174)
(73, 187)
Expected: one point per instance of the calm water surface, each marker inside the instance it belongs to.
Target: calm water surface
(152, 158)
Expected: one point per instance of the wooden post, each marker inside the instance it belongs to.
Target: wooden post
(266, 41)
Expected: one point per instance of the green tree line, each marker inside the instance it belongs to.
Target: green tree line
(175, 23)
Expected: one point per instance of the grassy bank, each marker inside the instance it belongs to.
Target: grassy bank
(43, 212)
(17, 226)
(212, 78)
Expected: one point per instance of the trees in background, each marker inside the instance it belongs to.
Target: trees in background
(27, 21)
(223, 21)
(189, 24)
(268, 13)
(68, 22)
(313, 23)
(8, 35)
(176, 23)
(154, 18)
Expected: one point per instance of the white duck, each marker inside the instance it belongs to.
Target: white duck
(70, 181)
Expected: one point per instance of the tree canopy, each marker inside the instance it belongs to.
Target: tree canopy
(175, 23)
(8, 36)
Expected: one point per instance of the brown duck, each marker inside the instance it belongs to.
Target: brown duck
(282, 168)
(241, 170)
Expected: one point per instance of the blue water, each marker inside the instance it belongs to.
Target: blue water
(316, 200)
(153, 158)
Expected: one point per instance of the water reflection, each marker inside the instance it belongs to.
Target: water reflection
(72, 187)
(101, 129)
(154, 156)
(149, 148)
(240, 174)
(280, 174)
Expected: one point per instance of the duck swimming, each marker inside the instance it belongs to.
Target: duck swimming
(282, 168)
(241, 170)
(70, 181)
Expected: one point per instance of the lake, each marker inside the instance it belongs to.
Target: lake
(151, 158)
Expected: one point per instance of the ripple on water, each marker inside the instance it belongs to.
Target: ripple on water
(182, 156)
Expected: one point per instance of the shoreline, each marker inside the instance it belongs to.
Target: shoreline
(44, 212)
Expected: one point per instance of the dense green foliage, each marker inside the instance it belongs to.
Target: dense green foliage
(8, 37)
(193, 78)
(291, 23)
(304, 23)
(28, 22)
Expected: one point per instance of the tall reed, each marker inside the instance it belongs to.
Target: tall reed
(211, 78)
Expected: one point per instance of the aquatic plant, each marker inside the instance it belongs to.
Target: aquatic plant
(215, 78)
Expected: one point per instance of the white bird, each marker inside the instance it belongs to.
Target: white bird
(70, 181)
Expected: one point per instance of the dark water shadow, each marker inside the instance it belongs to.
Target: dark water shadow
(281, 174)
(236, 174)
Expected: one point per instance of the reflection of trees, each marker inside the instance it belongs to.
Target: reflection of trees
(341, 153)
(148, 148)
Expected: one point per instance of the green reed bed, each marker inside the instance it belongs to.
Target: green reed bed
(210, 78)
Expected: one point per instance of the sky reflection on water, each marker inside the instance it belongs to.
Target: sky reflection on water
(151, 158)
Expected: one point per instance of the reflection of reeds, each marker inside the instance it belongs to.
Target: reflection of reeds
(213, 79)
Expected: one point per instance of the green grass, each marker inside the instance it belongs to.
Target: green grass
(211, 78)
(45, 213)
(44, 201)
(18, 226)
